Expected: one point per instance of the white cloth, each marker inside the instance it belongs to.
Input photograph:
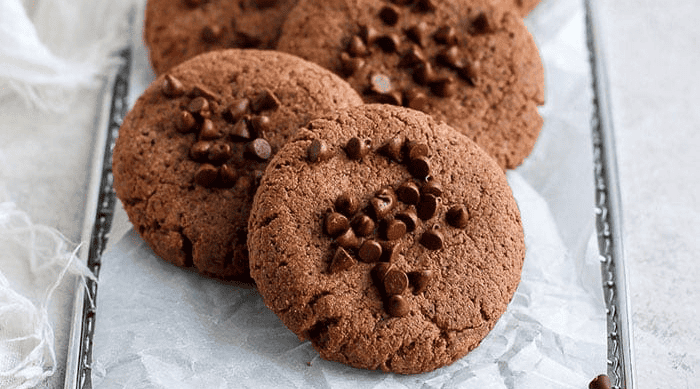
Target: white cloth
(51, 52)
(64, 46)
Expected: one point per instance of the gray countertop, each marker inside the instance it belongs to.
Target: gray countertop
(653, 55)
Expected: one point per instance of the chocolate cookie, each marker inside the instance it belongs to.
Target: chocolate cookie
(191, 151)
(387, 239)
(525, 6)
(470, 63)
(176, 30)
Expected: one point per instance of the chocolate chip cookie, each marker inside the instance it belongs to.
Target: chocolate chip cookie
(191, 151)
(470, 63)
(176, 30)
(386, 238)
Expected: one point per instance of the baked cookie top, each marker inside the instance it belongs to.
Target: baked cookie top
(190, 152)
(470, 63)
(176, 30)
(387, 239)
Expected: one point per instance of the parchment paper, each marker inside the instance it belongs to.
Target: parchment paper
(159, 326)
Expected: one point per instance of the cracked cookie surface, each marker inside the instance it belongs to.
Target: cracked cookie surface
(387, 239)
(176, 30)
(191, 151)
(470, 63)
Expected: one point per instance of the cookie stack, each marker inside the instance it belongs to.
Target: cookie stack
(348, 157)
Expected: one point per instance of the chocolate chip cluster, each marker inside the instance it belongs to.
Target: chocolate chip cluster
(431, 56)
(243, 123)
(371, 232)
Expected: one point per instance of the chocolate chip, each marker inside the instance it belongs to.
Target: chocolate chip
(209, 131)
(457, 217)
(481, 24)
(427, 207)
(419, 167)
(415, 99)
(412, 57)
(266, 100)
(432, 239)
(408, 193)
(212, 33)
(348, 240)
(397, 306)
(237, 110)
(425, 6)
(247, 41)
(393, 229)
(172, 87)
(392, 148)
(390, 251)
(418, 33)
(356, 148)
(206, 175)
(402, 2)
(370, 251)
(368, 34)
(347, 204)
(392, 97)
(241, 130)
(395, 282)
(258, 149)
(219, 153)
(335, 224)
(341, 261)
(389, 15)
(470, 71)
(363, 225)
(416, 150)
(350, 65)
(423, 74)
(420, 280)
(431, 187)
(200, 151)
(227, 176)
(446, 35)
(318, 151)
(380, 270)
(600, 382)
(409, 218)
(383, 203)
(450, 57)
(200, 106)
(202, 91)
(265, 3)
(194, 3)
(356, 47)
(261, 124)
(444, 86)
(186, 122)
(388, 43)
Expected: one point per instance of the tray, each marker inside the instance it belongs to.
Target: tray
(101, 202)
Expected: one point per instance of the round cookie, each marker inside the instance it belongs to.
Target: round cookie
(470, 63)
(387, 239)
(176, 30)
(191, 151)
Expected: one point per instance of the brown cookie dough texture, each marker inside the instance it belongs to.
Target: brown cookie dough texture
(387, 239)
(192, 149)
(470, 63)
(176, 30)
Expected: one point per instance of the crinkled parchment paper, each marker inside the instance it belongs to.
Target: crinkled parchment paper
(164, 327)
